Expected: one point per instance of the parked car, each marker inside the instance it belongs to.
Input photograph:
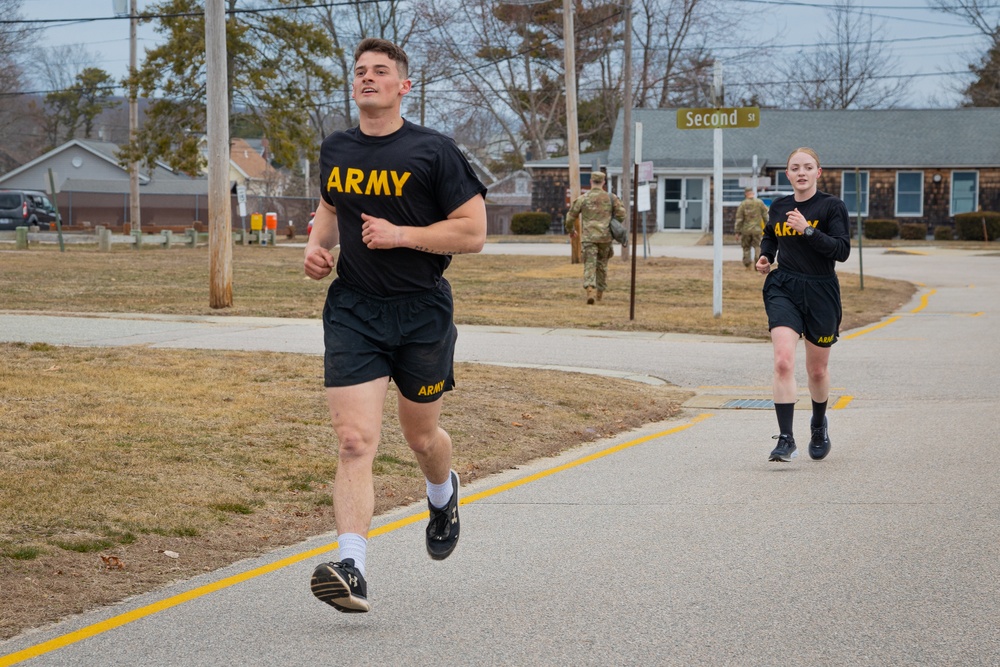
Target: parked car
(24, 208)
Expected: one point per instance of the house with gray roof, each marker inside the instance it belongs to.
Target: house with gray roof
(910, 165)
(94, 188)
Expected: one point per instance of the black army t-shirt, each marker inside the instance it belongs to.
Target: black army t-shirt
(413, 177)
(812, 255)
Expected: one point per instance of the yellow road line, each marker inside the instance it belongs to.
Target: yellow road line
(873, 328)
(841, 402)
(923, 301)
(136, 614)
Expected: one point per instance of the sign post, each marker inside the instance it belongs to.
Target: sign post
(241, 202)
(717, 119)
(52, 193)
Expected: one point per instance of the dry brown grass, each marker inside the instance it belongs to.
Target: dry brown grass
(111, 457)
(671, 294)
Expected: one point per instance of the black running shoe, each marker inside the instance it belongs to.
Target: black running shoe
(819, 443)
(442, 530)
(341, 586)
(785, 451)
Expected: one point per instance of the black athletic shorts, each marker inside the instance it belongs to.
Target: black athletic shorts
(810, 305)
(410, 339)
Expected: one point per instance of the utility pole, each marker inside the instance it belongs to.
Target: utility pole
(572, 131)
(220, 233)
(135, 216)
(627, 160)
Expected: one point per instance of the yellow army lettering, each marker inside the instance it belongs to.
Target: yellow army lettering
(782, 228)
(825, 339)
(375, 183)
(431, 389)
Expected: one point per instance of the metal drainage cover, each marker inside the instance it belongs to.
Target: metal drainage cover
(749, 404)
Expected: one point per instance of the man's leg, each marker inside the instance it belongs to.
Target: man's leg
(589, 270)
(604, 253)
(356, 412)
(746, 241)
(784, 340)
(755, 244)
(431, 445)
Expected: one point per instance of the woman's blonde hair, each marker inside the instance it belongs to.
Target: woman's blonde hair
(803, 149)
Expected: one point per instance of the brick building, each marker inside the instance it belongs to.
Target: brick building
(912, 165)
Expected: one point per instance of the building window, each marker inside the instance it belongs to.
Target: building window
(964, 191)
(849, 192)
(781, 181)
(909, 193)
(732, 192)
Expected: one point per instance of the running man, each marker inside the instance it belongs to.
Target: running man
(809, 231)
(400, 199)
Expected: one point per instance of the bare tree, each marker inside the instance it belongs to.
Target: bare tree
(983, 15)
(18, 133)
(983, 90)
(853, 71)
(676, 58)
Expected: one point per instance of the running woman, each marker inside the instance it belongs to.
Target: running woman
(809, 231)
(400, 200)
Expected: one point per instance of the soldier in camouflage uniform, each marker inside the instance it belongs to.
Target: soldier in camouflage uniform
(595, 208)
(751, 216)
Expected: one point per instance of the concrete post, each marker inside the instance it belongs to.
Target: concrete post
(104, 240)
(22, 238)
(168, 238)
(192, 236)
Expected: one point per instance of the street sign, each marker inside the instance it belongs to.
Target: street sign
(722, 118)
(645, 172)
(241, 199)
(760, 182)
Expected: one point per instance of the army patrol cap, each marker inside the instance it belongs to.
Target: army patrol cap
(596, 177)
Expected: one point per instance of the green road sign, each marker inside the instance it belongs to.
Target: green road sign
(711, 119)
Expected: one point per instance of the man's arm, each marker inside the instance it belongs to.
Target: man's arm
(463, 231)
(324, 237)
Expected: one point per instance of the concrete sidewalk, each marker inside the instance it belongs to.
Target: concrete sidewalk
(676, 544)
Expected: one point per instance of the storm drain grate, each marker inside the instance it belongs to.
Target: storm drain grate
(749, 404)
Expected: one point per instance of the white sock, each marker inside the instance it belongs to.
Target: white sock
(440, 494)
(353, 546)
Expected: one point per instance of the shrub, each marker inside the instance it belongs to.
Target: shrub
(881, 229)
(533, 222)
(944, 233)
(913, 231)
(969, 226)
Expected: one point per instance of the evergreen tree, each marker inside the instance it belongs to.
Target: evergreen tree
(276, 56)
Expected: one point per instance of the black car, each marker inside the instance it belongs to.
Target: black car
(24, 208)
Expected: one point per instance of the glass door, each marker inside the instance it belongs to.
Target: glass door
(683, 203)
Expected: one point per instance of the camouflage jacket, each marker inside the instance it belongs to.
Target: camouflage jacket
(594, 208)
(751, 216)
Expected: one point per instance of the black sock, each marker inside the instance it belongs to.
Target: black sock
(786, 414)
(819, 412)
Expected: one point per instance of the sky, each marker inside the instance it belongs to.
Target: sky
(925, 43)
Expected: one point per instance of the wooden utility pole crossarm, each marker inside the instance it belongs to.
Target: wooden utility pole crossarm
(220, 233)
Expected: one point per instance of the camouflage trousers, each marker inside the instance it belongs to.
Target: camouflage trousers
(595, 264)
(750, 241)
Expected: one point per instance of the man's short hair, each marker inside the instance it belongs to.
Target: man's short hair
(596, 177)
(746, 190)
(378, 45)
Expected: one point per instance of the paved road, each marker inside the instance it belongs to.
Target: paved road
(677, 544)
